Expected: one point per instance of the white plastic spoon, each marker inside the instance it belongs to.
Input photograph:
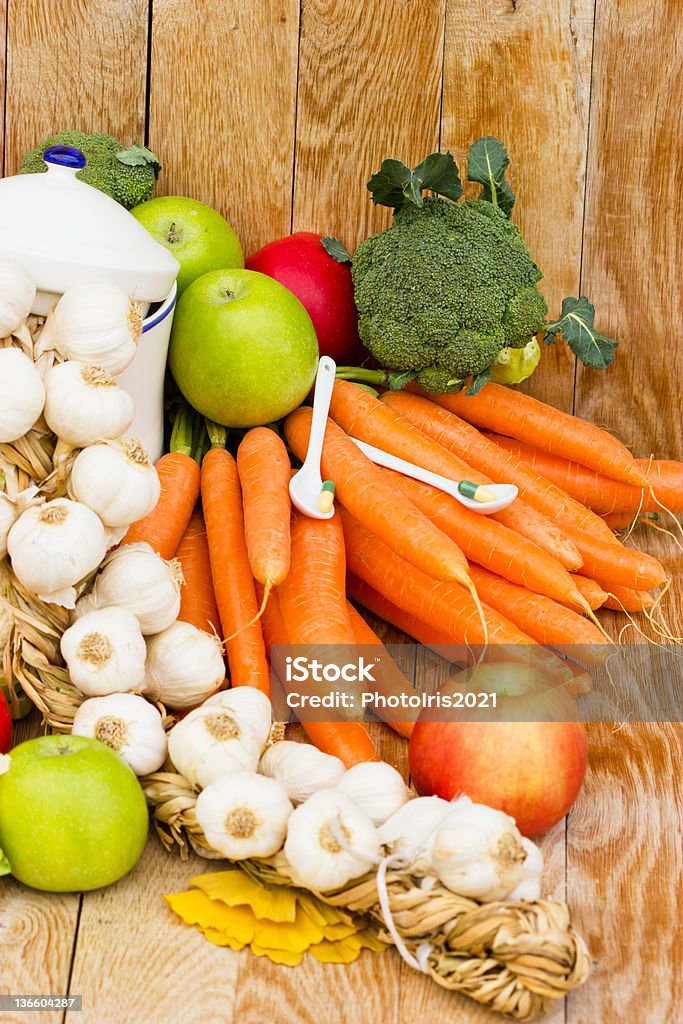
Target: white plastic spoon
(306, 486)
(505, 494)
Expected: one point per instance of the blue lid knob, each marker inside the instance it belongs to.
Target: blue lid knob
(64, 156)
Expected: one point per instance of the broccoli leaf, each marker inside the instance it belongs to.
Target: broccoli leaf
(576, 327)
(398, 380)
(392, 184)
(487, 164)
(478, 382)
(138, 156)
(439, 173)
(336, 249)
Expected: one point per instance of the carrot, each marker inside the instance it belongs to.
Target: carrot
(349, 741)
(264, 471)
(437, 604)
(465, 441)
(590, 590)
(389, 680)
(368, 419)
(513, 413)
(625, 599)
(601, 493)
(313, 596)
(491, 544)
(612, 564)
(377, 501)
(197, 599)
(272, 623)
(544, 620)
(179, 478)
(232, 580)
(619, 521)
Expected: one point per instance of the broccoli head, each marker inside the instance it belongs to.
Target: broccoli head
(451, 285)
(127, 175)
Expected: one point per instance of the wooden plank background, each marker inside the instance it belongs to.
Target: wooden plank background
(276, 112)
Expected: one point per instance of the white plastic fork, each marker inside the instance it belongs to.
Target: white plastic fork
(505, 493)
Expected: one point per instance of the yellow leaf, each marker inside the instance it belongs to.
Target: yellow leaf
(368, 940)
(235, 888)
(332, 932)
(320, 912)
(195, 907)
(341, 952)
(278, 956)
(295, 937)
(221, 939)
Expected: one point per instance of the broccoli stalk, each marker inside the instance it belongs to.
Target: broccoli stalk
(127, 175)
(450, 286)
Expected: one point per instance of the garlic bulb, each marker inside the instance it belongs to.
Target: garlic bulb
(54, 546)
(17, 295)
(244, 815)
(128, 724)
(532, 869)
(94, 323)
(411, 829)
(117, 480)
(136, 578)
(184, 666)
(212, 741)
(375, 787)
(105, 652)
(84, 404)
(478, 852)
(22, 395)
(301, 768)
(8, 514)
(250, 705)
(329, 841)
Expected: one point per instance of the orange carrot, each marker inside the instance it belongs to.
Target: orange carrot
(465, 441)
(197, 599)
(373, 498)
(515, 414)
(264, 471)
(313, 597)
(179, 478)
(612, 563)
(625, 599)
(590, 591)
(389, 680)
(619, 521)
(273, 624)
(441, 605)
(349, 741)
(233, 582)
(543, 619)
(599, 492)
(491, 544)
(370, 420)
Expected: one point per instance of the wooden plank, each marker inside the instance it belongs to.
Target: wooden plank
(65, 69)
(520, 70)
(632, 266)
(222, 108)
(369, 88)
(3, 67)
(136, 961)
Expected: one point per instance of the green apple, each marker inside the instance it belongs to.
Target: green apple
(73, 816)
(243, 348)
(199, 238)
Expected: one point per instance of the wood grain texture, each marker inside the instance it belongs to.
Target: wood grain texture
(73, 64)
(3, 65)
(369, 88)
(222, 108)
(520, 70)
(633, 256)
(136, 961)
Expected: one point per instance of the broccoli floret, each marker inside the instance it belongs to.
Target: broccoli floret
(444, 289)
(127, 175)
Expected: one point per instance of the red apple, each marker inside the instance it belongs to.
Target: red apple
(527, 758)
(5, 725)
(301, 263)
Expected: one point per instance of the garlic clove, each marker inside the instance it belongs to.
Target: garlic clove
(301, 768)
(411, 829)
(105, 652)
(244, 815)
(330, 841)
(251, 706)
(128, 724)
(184, 666)
(532, 869)
(85, 404)
(17, 295)
(137, 578)
(477, 852)
(22, 395)
(375, 787)
(117, 480)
